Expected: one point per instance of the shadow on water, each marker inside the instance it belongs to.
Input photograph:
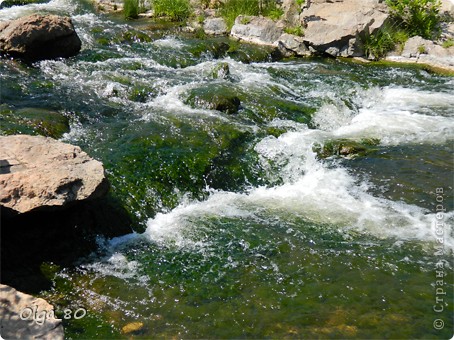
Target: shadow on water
(60, 237)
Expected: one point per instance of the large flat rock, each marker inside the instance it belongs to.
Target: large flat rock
(26, 317)
(335, 27)
(256, 30)
(39, 172)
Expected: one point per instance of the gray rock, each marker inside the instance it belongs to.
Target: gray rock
(38, 172)
(447, 8)
(38, 37)
(215, 26)
(256, 30)
(290, 44)
(337, 28)
(417, 46)
(421, 51)
(26, 317)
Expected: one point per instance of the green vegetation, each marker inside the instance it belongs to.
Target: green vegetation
(296, 30)
(32, 121)
(448, 43)
(131, 9)
(417, 17)
(233, 8)
(274, 13)
(409, 18)
(175, 10)
(422, 49)
(300, 2)
(386, 39)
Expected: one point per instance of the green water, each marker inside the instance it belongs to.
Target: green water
(244, 229)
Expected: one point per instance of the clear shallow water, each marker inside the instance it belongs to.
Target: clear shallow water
(243, 230)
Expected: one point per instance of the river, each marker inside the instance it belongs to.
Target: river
(255, 224)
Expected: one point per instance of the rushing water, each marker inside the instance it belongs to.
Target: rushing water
(244, 228)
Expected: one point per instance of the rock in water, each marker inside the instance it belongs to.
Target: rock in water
(39, 172)
(25, 317)
(38, 37)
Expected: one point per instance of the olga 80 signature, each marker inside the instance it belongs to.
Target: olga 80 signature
(41, 316)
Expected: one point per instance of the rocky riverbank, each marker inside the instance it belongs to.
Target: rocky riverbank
(322, 27)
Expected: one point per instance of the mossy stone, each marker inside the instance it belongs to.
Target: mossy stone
(221, 70)
(33, 121)
(135, 36)
(211, 98)
(346, 148)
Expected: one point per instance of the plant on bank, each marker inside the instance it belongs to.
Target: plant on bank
(175, 10)
(295, 30)
(230, 9)
(386, 39)
(417, 17)
(131, 9)
(409, 18)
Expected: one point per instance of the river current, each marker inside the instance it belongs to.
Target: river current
(252, 225)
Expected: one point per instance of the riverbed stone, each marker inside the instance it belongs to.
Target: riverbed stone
(215, 26)
(256, 30)
(42, 173)
(337, 27)
(38, 37)
(209, 98)
(26, 317)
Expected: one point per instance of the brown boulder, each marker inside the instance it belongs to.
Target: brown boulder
(38, 172)
(38, 37)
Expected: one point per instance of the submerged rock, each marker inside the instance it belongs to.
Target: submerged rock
(346, 148)
(33, 121)
(220, 71)
(211, 99)
(337, 28)
(26, 317)
(38, 37)
(132, 327)
(39, 172)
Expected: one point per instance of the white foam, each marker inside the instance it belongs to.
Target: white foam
(326, 195)
(169, 42)
(59, 6)
(390, 116)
